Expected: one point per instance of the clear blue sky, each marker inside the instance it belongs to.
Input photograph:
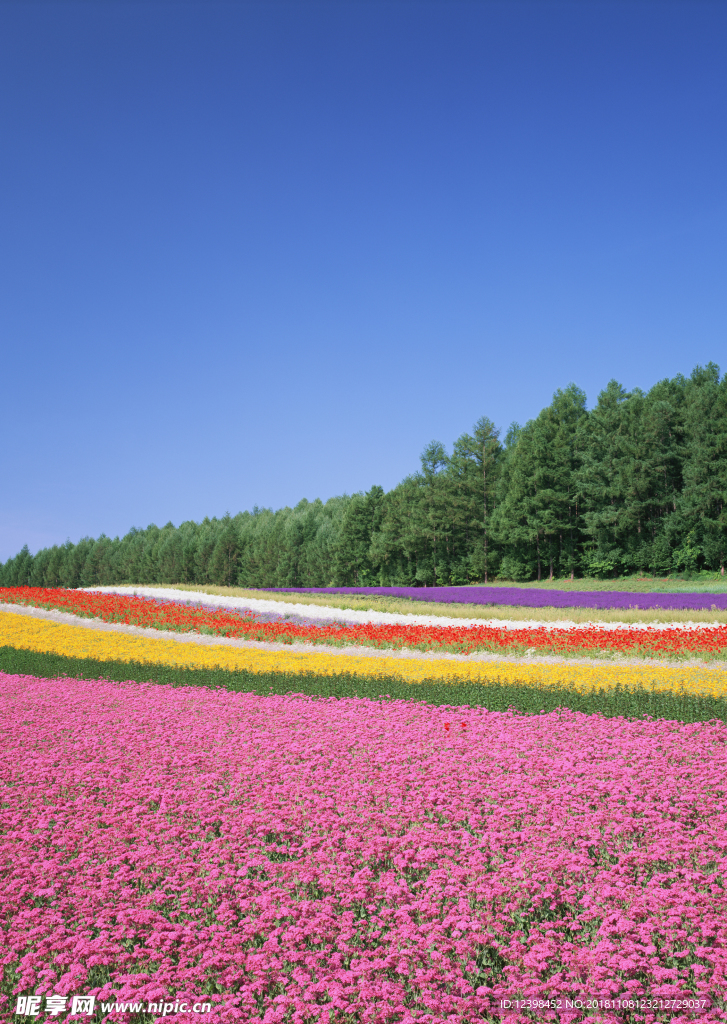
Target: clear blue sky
(254, 252)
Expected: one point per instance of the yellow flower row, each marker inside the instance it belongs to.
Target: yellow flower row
(27, 633)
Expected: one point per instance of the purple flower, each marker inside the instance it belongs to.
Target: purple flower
(527, 598)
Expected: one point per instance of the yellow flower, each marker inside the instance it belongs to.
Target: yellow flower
(27, 633)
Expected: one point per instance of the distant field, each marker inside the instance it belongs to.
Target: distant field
(400, 606)
(709, 583)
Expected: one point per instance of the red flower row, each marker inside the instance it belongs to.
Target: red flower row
(140, 611)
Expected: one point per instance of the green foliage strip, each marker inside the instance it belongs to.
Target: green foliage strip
(524, 699)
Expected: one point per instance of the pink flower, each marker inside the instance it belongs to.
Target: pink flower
(298, 857)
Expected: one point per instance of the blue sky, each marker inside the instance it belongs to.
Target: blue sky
(255, 252)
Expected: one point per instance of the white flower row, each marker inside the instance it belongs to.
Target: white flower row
(327, 614)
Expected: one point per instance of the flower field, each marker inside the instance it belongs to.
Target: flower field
(26, 633)
(522, 596)
(652, 641)
(341, 860)
(324, 834)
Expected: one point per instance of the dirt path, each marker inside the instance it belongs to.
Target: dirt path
(308, 648)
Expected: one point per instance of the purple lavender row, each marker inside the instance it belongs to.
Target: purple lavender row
(527, 598)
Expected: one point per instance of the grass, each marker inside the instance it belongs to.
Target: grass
(524, 699)
(402, 606)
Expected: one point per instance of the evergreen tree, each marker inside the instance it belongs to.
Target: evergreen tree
(630, 477)
(638, 483)
(475, 464)
(223, 563)
(17, 571)
(537, 509)
(397, 545)
(353, 565)
(701, 538)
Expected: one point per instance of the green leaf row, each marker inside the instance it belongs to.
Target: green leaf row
(612, 703)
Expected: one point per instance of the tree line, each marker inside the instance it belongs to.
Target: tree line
(637, 484)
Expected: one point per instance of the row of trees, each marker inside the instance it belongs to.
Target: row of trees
(637, 484)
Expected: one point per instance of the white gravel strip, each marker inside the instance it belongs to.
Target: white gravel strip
(325, 614)
(191, 637)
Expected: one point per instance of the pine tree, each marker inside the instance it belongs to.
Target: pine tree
(630, 476)
(702, 504)
(223, 561)
(537, 508)
(353, 564)
(475, 462)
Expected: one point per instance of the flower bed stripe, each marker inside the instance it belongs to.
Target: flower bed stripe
(527, 598)
(707, 641)
(617, 702)
(28, 633)
(352, 608)
(340, 861)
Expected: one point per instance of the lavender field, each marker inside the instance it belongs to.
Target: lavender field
(530, 598)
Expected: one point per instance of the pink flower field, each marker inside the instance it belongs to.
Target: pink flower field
(305, 859)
